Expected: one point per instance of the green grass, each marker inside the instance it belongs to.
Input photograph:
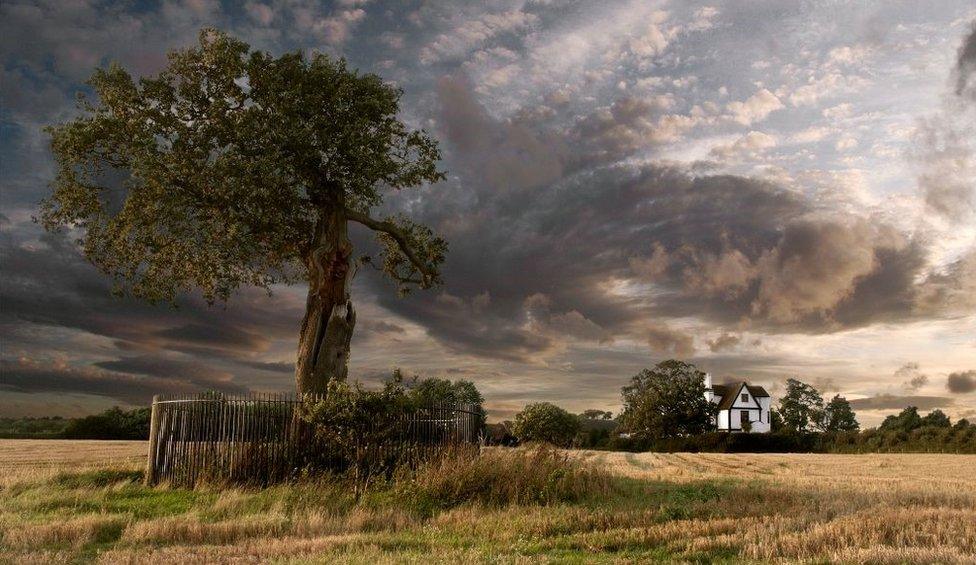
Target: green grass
(504, 506)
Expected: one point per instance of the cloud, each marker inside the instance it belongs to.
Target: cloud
(755, 108)
(893, 402)
(467, 34)
(944, 145)
(24, 375)
(750, 144)
(724, 341)
(966, 64)
(912, 379)
(668, 342)
(961, 382)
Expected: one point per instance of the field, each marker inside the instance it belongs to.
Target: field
(82, 501)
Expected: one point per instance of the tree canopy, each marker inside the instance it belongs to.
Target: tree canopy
(232, 168)
(544, 421)
(838, 416)
(211, 175)
(801, 408)
(666, 401)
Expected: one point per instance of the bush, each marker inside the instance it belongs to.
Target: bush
(547, 423)
(353, 424)
(500, 477)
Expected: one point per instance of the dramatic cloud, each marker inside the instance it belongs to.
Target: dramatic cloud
(625, 183)
(724, 341)
(25, 375)
(961, 382)
(667, 342)
(892, 402)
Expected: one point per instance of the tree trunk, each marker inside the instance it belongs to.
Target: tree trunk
(323, 346)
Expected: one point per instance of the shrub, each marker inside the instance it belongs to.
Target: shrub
(352, 424)
(546, 422)
(499, 477)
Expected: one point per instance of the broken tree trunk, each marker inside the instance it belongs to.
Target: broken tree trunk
(323, 346)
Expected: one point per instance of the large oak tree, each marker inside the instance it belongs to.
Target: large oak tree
(235, 168)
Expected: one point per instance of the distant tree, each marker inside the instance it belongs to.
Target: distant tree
(838, 416)
(775, 420)
(592, 414)
(433, 390)
(906, 421)
(802, 408)
(936, 419)
(666, 401)
(239, 168)
(114, 423)
(546, 422)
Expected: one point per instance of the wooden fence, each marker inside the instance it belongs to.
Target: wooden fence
(262, 438)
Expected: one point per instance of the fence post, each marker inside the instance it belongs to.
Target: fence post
(150, 477)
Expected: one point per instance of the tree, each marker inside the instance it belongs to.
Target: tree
(240, 169)
(802, 407)
(544, 421)
(937, 419)
(432, 390)
(906, 421)
(666, 401)
(839, 416)
(775, 421)
(593, 414)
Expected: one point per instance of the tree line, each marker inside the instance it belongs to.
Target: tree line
(665, 409)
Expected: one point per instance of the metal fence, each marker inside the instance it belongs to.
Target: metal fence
(263, 439)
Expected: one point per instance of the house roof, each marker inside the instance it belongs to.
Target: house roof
(729, 392)
(758, 391)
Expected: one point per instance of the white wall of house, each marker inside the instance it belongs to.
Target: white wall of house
(745, 402)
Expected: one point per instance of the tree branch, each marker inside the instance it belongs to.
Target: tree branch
(398, 235)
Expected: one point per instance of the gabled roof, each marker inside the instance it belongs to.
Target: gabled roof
(728, 393)
(758, 391)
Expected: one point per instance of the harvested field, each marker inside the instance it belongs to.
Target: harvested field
(85, 503)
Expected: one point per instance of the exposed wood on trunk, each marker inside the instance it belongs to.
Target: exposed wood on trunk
(323, 347)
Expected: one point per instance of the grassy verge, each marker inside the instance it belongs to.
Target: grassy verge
(504, 506)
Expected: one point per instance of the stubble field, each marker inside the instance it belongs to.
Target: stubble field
(82, 501)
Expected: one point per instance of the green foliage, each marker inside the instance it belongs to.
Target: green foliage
(801, 408)
(936, 438)
(838, 416)
(592, 414)
(213, 174)
(597, 427)
(937, 419)
(905, 421)
(353, 424)
(668, 400)
(546, 422)
(432, 390)
(32, 428)
(746, 425)
(114, 423)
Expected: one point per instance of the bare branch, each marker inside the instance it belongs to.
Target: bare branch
(427, 271)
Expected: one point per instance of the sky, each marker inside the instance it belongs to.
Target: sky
(767, 189)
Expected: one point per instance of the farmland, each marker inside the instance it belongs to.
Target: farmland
(82, 501)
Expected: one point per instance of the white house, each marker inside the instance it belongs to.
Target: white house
(738, 402)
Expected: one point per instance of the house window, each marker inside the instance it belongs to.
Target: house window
(745, 397)
(744, 416)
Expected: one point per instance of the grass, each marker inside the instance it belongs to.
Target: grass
(511, 506)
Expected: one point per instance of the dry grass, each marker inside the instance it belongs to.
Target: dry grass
(663, 507)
